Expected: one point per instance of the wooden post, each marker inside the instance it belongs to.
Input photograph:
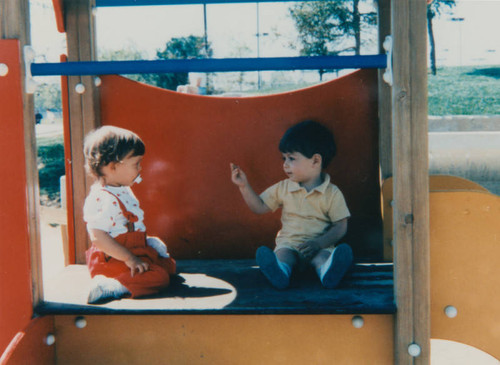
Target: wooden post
(14, 24)
(384, 95)
(411, 187)
(83, 108)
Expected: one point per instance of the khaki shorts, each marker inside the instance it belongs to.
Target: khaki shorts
(294, 247)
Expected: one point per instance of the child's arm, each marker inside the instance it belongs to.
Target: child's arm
(253, 201)
(104, 242)
(336, 231)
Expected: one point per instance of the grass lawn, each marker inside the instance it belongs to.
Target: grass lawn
(473, 90)
(50, 168)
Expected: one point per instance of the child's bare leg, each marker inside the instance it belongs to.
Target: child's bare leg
(331, 268)
(287, 256)
(320, 258)
(277, 267)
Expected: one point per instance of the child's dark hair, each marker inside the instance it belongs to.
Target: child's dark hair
(308, 138)
(110, 144)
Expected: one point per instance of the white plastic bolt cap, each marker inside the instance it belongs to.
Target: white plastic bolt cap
(387, 43)
(451, 311)
(4, 69)
(80, 88)
(50, 339)
(414, 350)
(80, 322)
(358, 321)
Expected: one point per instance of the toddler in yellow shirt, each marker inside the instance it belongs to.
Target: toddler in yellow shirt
(314, 212)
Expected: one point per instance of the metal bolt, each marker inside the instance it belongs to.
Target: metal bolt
(414, 350)
(450, 311)
(80, 88)
(358, 321)
(4, 69)
(408, 218)
(50, 339)
(80, 322)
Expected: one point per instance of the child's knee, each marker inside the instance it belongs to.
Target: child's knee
(158, 274)
(286, 253)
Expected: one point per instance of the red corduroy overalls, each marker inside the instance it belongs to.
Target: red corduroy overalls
(149, 282)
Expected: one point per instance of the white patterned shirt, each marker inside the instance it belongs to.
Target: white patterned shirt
(102, 210)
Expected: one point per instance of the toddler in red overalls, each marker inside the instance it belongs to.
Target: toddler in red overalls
(123, 261)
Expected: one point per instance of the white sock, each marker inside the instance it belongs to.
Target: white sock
(110, 284)
(287, 269)
(326, 265)
(158, 245)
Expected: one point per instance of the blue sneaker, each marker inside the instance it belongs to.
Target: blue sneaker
(340, 262)
(268, 263)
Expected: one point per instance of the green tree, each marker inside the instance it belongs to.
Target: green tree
(124, 54)
(358, 22)
(179, 48)
(325, 27)
(435, 8)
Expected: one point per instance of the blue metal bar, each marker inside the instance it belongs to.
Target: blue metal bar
(110, 3)
(207, 65)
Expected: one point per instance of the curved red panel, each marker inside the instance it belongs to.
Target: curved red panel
(190, 140)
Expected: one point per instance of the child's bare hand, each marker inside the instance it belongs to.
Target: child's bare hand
(238, 177)
(136, 264)
(309, 249)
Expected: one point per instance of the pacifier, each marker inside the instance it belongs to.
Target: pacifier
(138, 179)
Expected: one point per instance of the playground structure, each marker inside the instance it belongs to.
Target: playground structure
(440, 231)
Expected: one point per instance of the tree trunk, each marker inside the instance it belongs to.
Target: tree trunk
(431, 42)
(356, 19)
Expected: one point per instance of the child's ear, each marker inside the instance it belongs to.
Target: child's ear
(111, 166)
(317, 159)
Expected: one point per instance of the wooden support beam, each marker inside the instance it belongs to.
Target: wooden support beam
(83, 108)
(411, 188)
(384, 95)
(14, 24)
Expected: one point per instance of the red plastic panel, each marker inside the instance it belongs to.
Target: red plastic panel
(67, 165)
(190, 140)
(58, 12)
(15, 275)
(29, 346)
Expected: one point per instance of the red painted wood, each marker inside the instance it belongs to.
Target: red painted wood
(67, 166)
(15, 273)
(59, 14)
(190, 140)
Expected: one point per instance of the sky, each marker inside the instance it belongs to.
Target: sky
(231, 27)
(473, 41)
